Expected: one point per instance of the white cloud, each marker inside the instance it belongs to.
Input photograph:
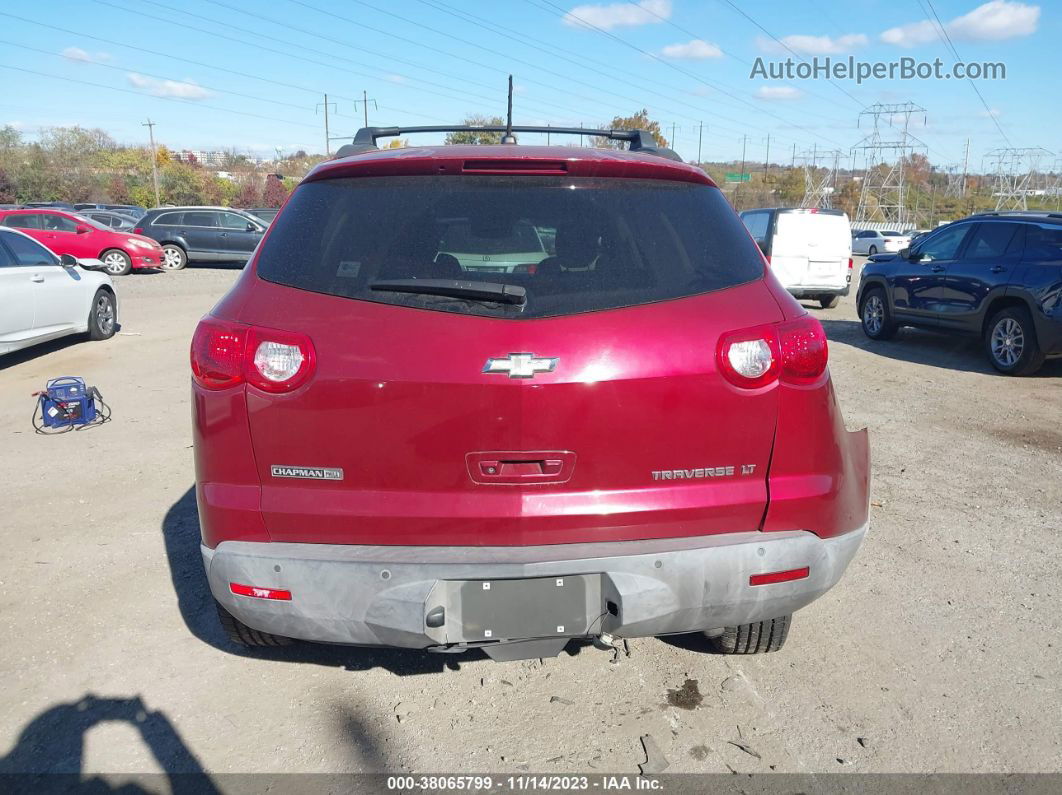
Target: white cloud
(619, 15)
(78, 54)
(994, 21)
(181, 89)
(814, 45)
(397, 79)
(779, 93)
(696, 50)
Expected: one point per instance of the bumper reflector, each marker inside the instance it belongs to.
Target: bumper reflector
(779, 576)
(259, 593)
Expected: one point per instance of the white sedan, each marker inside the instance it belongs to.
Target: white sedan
(870, 241)
(43, 296)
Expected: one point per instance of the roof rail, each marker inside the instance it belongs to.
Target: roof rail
(639, 140)
(1030, 213)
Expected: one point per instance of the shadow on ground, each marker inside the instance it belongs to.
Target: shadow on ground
(180, 530)
(48, 755)
(918, 346)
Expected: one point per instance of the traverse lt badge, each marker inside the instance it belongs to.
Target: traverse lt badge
(310, 473)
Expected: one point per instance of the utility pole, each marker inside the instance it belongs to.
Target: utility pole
(700, 136)
(328, 138)
(741, 175)
(792, 160)
(154, 159)
(365, 100)
(965, 167)
(673, 135)
(767, 158)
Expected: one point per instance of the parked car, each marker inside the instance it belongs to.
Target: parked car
(266, 214)
(69, 233)
(202, 233)
(55, 205)
(44, 296)
(482, 249)
(810, 250)
(997, 276)
(125, 209)
(871, 242)
(114, 220)
(638, 438)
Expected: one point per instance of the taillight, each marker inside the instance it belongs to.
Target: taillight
(260, 593)
(851, 263)
(793, 352)
(138, 230)
(225, 354)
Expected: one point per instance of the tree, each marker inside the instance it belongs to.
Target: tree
(397, 143)
(118, 190)
(477, 137)
(639, 121)
(249, 195)
(7, 188)
(275, 192)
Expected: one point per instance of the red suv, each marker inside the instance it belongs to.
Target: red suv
(69, 233)
(631, 433)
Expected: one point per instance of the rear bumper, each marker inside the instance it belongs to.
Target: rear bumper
(383, 595)
(814, 292)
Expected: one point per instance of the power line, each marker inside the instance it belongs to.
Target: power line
(791, 50)
(560, 11)
(942, 33)
(192, 102)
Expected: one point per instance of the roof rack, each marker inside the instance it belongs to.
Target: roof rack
(1032, 213)
(639, 140)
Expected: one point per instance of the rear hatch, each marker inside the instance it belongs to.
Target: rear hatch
(811, 248)
(593, 410)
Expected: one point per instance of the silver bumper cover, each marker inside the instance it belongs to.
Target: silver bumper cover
(384, 595)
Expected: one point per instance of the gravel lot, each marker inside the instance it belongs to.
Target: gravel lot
(939, 650)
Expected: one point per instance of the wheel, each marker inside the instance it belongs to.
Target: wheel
(872, 251)
(103, 316)
(117, 262)
(829, 301)
(242, 635)
(758, 638)
(875, 316)
(1011, 344)
(173, 257)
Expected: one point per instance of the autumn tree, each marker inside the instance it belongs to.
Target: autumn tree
(639, 121)
(7, 188)
(475, 137)
(275, 191)
(249, 195)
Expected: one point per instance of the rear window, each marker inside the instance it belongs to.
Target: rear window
(575, 244)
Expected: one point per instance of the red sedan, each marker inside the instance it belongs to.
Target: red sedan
(69, 233)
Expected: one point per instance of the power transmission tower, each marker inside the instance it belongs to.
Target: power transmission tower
(1015, 169)
(956, 187)
(886, 149)
(154, 159)
(819, 181)
(365, 100)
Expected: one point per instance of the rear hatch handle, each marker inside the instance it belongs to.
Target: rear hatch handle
(520, 468)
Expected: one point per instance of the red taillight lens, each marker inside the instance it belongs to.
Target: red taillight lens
(794, 352)
(225, 354)
(804, 350)
(260, 593)
(138, 231)
(217, 353)
(851, 263)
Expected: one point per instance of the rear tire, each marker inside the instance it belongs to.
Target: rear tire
(829, 301)
(875, 316)
(242, 635)
(872, 251)
(174, 257)
(103, 316)
(760, 637)
(116, 262)
(1011, 344)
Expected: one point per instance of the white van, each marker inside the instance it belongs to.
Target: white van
(810, 251)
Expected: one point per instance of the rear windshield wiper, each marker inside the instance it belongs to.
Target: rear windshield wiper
(456, 288)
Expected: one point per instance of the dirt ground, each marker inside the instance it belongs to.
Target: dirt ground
(939, 650)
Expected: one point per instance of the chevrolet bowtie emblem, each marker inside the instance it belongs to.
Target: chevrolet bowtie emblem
(520, 365)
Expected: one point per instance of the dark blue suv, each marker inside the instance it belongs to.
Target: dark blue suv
(996, 275)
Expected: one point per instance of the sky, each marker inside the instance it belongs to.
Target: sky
(251, 76)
